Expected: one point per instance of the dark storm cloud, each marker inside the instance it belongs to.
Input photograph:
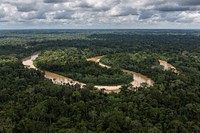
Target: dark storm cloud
(168, 17)
(63, 15)
(26, 8)
(171, 8)
(175, 5)
(189, 2)
(55, 1)
(40, 15)
(155, 2)
(128, 11)
(146, 14)
(83, 5)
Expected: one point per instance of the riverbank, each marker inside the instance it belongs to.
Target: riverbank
(167, 66)
(138, 79)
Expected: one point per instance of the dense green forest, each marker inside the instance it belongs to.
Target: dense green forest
(31, 103)
(144, 63)
(72, 63)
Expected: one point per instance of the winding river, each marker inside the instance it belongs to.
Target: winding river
(138, 79)
(55, 78)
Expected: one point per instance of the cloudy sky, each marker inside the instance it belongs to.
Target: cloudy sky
(65, 14)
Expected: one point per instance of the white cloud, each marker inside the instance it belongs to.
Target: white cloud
(122, 11)
(9, 12)
(102, 4)
(189, 17)
(99, 13)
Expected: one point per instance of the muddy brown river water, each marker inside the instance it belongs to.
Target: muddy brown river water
(138, 79)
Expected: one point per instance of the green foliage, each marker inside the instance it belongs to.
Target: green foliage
(7, 60)
(72, 63)
(145, 63)
(31, 103)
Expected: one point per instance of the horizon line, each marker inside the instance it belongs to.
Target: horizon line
(101, 29)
